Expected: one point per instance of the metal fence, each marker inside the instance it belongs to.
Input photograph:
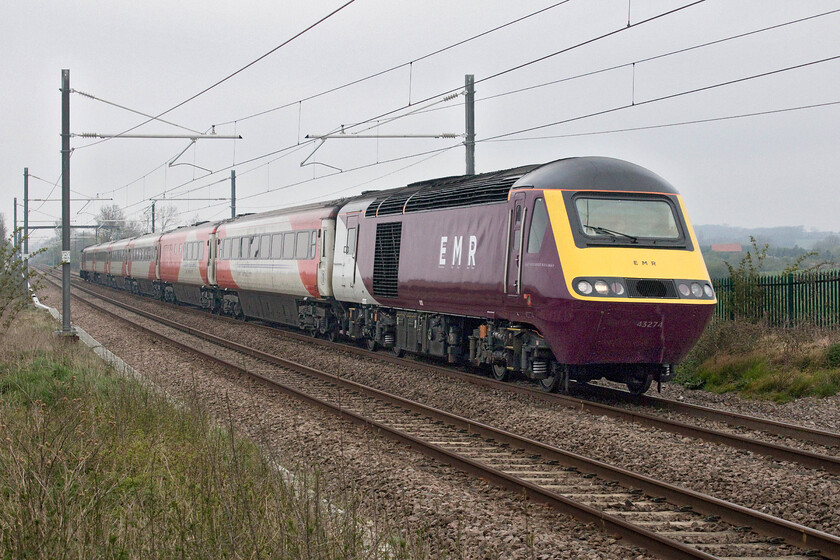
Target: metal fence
(787, 300)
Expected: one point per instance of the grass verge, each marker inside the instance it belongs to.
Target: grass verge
(759, 362)
(94, 465)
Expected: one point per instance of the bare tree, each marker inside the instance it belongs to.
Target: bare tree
(166, 217)
(114, 225)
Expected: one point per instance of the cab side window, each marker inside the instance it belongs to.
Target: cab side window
(539, 223)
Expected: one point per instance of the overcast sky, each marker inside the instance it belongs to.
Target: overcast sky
(774, 169)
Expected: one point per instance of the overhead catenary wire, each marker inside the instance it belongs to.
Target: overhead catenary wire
(398, 66)
(590, 73)
(229, 76)
(671, 124)
(365, 78)
(598, 113)
(663, 98)
(499, 138)
(431, 154)
(130, 110)
(530, 62)
(503, 72)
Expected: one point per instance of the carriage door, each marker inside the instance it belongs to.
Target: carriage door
(516, 217)
(350, 247)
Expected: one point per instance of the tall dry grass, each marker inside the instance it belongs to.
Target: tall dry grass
(94, 465)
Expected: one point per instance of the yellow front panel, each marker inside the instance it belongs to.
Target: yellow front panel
(622, 261)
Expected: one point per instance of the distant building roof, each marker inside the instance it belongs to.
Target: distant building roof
(727, 248)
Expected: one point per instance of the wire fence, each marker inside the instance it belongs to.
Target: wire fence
(782, 301)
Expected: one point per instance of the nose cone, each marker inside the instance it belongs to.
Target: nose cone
(611, 333)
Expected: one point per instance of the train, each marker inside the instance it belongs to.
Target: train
(573, 270)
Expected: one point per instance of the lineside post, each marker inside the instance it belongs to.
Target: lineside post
(15, 236)
(26, 220)
(66, 329)
(232, 193)
(469, 107)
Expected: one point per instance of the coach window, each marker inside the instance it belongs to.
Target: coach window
(302, 247)
(265, 246)
(235, 244)
(226, 249)
(277, 246)
(246, 245)
(313, 245)
(201, 251)
(539, 223)
(255, 247)
(289, 245)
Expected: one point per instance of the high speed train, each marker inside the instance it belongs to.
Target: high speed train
(578, 269)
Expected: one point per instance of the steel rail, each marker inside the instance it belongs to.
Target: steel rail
(775, 451)
(804, 433)
(793, 533)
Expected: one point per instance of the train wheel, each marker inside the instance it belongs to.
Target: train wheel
(551, 383)
(398, 352)
(371, 345)
(639, 383)
(500, 372)
(330, 336)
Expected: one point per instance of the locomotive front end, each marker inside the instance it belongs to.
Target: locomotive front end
(635, 294)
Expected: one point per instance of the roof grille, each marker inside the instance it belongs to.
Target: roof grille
(448, 192)
(393, 204)
(386, 259)
(644, 288)
(374, 206)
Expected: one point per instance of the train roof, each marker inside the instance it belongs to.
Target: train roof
(574, 173)
(578, 173)
(595, 174)
(447, 192)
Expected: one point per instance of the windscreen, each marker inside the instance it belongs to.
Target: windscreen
(627, 218)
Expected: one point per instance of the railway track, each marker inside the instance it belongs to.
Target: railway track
(667, 520)
(775, 430)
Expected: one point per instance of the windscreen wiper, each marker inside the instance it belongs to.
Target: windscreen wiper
(599, 229)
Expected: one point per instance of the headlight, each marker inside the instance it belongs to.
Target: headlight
(584, 287)
(617, 288)
(685, 291)
(601, 287)
(710, 293)
(696, 290)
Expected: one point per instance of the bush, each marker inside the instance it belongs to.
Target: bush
(832, 356)
(14, 276)
(762, 362)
